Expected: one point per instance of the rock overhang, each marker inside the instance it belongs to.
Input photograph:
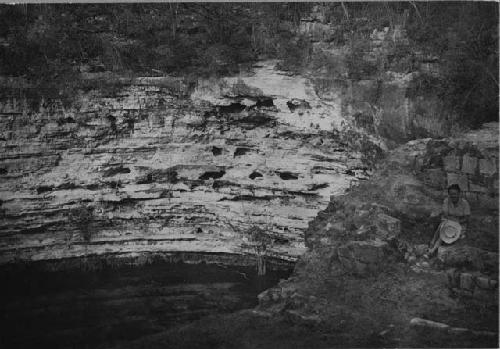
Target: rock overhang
(183, 165)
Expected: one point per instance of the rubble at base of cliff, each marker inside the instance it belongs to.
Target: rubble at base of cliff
(368, 250)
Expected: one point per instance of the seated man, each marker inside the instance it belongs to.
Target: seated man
(456, 209)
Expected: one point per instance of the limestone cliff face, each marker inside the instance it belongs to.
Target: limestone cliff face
(155, 166)
(377, 75)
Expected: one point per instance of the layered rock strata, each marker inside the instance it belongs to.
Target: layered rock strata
(155, 165)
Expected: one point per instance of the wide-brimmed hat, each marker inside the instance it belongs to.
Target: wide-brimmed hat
(449, 231)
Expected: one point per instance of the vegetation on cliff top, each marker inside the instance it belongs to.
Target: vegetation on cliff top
(177, 38)
(52, 43)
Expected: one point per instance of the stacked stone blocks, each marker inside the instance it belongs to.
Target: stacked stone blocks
(473, 285)
(474, 168)
(362, 257)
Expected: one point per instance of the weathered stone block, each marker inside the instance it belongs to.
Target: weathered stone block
(487, 166)
(420, 250)
(451, 163)
(264, 297)
(460, 179)
(462, 292)
(337, 226)
(466, 281)
(471, 197)
(347, 263)
(477, 188)
(368, 255)
(344, 252)
(361, 257)
(435, 177)
(324, 241)
(388, 223)
(484, 295)
(486, 201)
(453, 278)
(360, 267)
(296, 317)
(460, 255)
(368, 251)
(469, 164)
(485, 282)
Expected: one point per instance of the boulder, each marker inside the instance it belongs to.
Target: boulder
(469, 164)
(362, 257)
(420, 250)
(435, 178)
(488, 166)
(462, 255)
(390, 224)
(451, 163)
(298, 317)
(466, 281)
(485, 282)
(486, 296)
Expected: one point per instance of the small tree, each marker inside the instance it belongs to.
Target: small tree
(260, 240)
(82, 218)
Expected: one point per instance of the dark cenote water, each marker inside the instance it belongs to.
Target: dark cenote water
(109, 306)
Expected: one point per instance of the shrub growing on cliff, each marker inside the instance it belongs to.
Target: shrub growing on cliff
(359, 65)
(465, 38)
(294, 52)
(82, 218)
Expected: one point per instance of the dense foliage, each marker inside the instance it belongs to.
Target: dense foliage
(465, 37)
(175, 38)
(51, 43)
(462, 37)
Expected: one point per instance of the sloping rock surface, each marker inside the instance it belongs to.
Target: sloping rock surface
(367, 266)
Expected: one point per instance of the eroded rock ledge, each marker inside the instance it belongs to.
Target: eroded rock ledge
(151, 166)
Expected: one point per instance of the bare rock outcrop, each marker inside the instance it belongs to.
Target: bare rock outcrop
(154, 165)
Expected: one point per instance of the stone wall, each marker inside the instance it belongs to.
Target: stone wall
(476, 285)
(471, 161)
